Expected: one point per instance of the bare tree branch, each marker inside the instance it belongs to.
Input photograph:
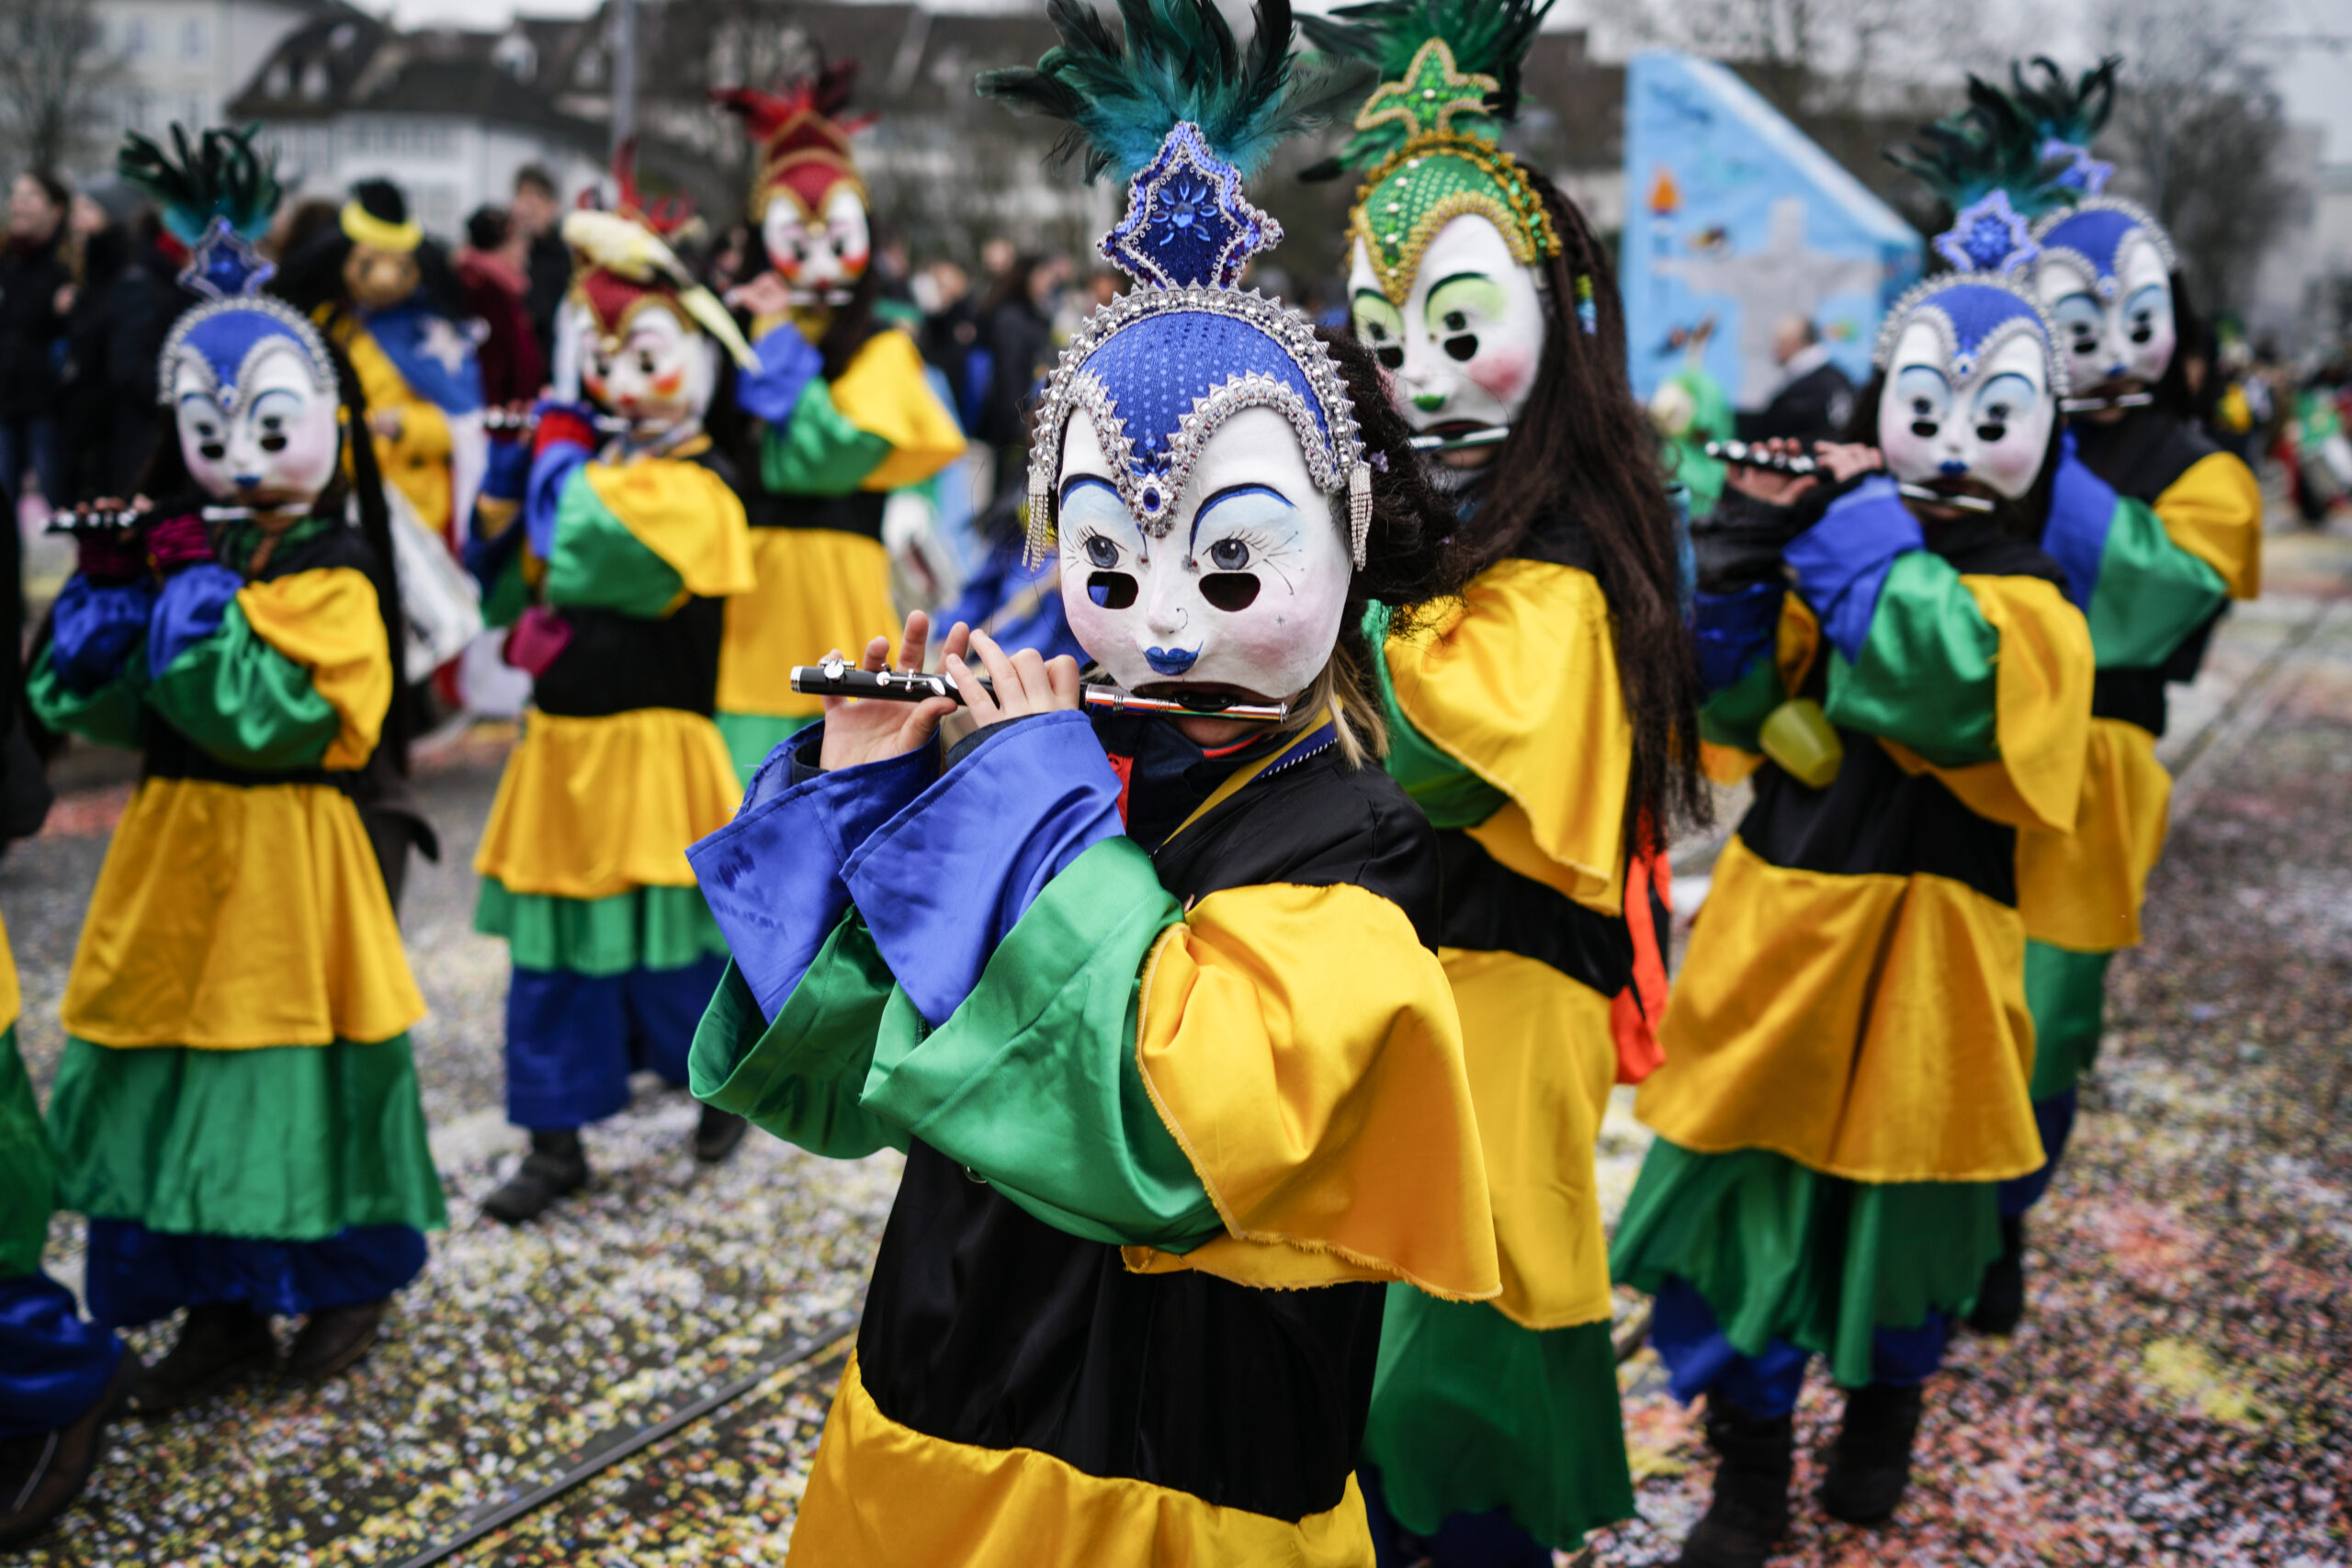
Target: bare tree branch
(55, 75)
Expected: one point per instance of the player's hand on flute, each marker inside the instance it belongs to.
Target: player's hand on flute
(1026, 682)
(873, 731)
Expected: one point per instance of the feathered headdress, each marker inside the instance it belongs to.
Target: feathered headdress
(1986, 162)
(621, 259)
(1181, 111)
(2067, 116)
(803, 137)
(1450, 73)
(218, 195)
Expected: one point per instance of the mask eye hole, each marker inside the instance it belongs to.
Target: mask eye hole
(1989, 433)
(1461, 347)
(1925, 429)
(644, 363)
(1228, 554)
(1391, 357)
(1112, 590)
(1230, 591)
(273, 442)
(212, 451)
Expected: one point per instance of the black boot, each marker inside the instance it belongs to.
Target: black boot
(2000, 1300)
(556, 1167)
(43, 1472)
(1749, 1511)
(1869, 1465)
(220, 1343)
(718, 1133)
(331, 1342)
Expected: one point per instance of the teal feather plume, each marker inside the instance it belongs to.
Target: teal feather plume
(1488, 38)
(217, 175)
(1177, 61)
(1991, 145)
(2072, 111)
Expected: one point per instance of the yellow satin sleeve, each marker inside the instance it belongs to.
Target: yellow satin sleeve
(1519, 685)
(884, 1495)
(2082, 890)
(1303, 1049)
(12, 995)
(884, 392)
(1870, 1027)
(2041, 696)
(589, 807)
(2214, 512)
(686, 515)
(328, 622)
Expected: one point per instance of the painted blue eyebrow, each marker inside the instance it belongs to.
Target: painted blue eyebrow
(1076, 482)
(1234, 493)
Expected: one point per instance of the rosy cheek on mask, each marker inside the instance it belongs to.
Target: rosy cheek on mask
(667, 384)
(1504, 373)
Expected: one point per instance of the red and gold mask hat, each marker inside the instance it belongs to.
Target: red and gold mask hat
(803, 138)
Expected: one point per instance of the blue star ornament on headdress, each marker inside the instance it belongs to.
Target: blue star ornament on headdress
(1185, 114)
(217, 196)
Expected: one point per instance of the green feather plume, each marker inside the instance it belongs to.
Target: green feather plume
(2062, 110)
(217, 175)
(1488, 38)
(1178, 62)
(1991, 145)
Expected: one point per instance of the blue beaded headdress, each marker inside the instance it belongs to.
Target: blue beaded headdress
(1181, 111)
(217, 196)
(1987, 162)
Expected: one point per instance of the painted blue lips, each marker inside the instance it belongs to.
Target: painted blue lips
(1171, 660)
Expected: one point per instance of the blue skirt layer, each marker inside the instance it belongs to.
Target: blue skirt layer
(53, 1364)
(1700, 1360)
(573, 1040)
(136, 1275)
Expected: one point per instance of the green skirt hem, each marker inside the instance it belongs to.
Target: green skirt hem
(645, 928)
(2066, 993)
(750, 736)
(28, 1177)
(1471, 1412)
(288, 1143)
(1779, 1251)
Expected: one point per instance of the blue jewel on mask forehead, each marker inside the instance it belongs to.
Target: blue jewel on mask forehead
(224, 265)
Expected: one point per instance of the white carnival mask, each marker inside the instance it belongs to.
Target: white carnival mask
(257, 416)
(1243, 593)
(654, 369)
(2105, 273)
(821, 256)
(1972, 388)
(1463, 353)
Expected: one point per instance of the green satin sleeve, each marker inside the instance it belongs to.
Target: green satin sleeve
(596, 563)
(818, 451)
(799, 1077)
(1924, 677)
(1033, 1082)
(1446, 789)
(1734, 716)
(244, 702)
(114, 715)
(2149, 594)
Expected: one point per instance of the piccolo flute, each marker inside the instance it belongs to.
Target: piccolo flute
(129, 517)
(500, 420)
(1801, 465)
(1487, 435)
(2100, 405)
(839, 677)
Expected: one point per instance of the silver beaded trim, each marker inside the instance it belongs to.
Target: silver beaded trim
(1915, 305)
(2141, 218)
(1336, 463)
(175, 343)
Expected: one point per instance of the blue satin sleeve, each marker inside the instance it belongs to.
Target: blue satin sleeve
(2082, 512)
(95, 631)
(189, 609)
(1842, 560)
(1734, 630)
(942, 882)
(773, 876)
(552, 470)
(54, 1364)
(788, 362)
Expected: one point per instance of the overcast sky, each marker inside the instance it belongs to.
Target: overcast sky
(2314, 75)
